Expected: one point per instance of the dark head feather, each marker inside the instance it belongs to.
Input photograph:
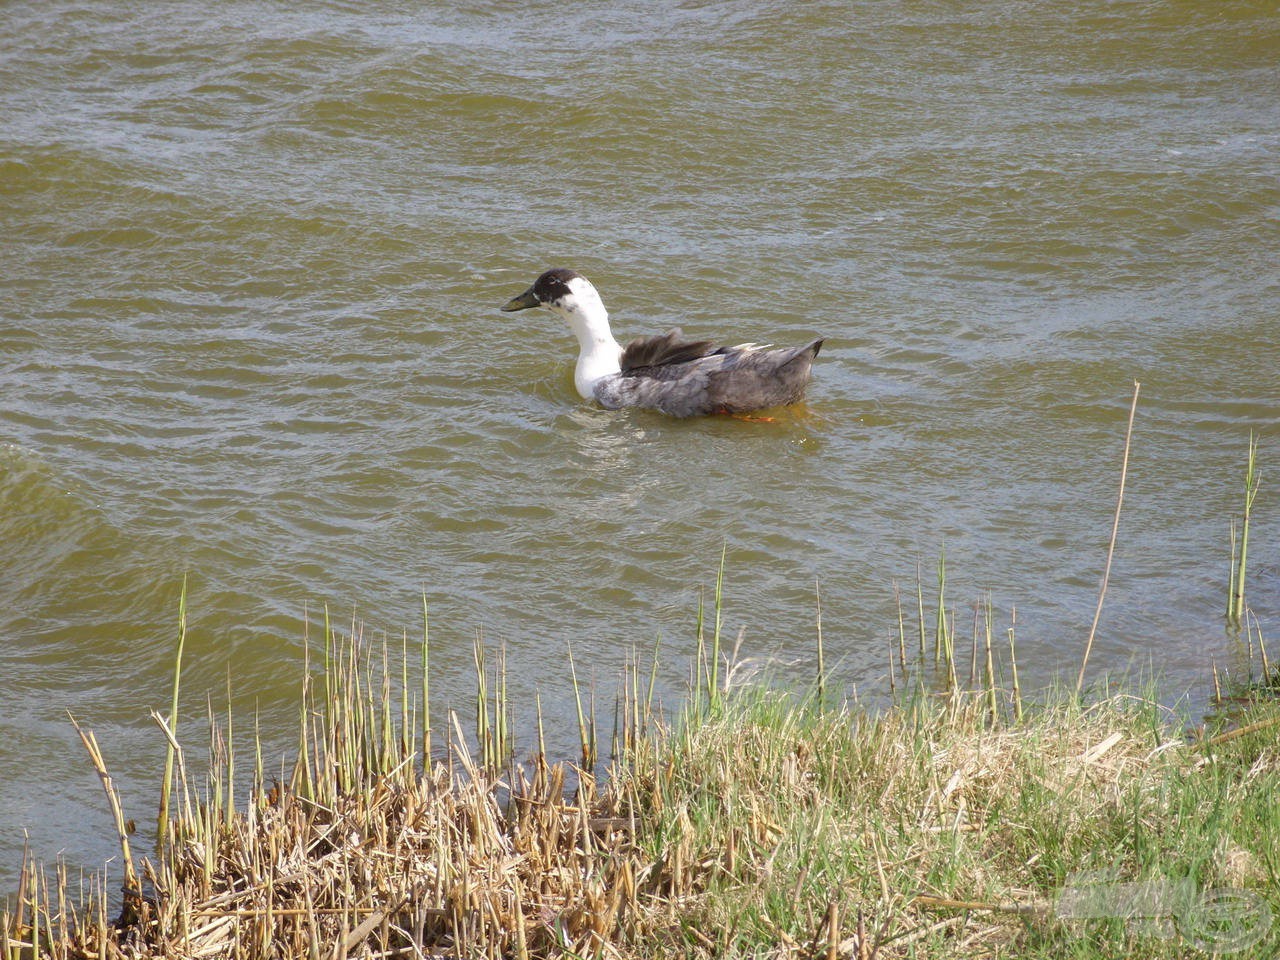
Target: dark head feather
(553, 284)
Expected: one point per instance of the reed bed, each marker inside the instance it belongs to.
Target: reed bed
(372, 848)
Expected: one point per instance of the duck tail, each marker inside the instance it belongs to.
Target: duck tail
(807, 353)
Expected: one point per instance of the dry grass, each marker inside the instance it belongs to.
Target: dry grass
(407, 865)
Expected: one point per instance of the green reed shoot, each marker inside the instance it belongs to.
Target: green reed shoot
(715, 641)
(484, 732)
(920, 606)
(1013, 666)
(707, 662)
(426, 689)
(991, 669)
(586, 735)
(822, 666)
(940, 626)
(1262, 648)
(902, 629)
(542, 734)
(230, 808)
(504, 747)
(973, 647)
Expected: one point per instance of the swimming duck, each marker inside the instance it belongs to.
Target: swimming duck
(680, 377)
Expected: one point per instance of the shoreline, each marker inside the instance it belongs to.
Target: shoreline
(966, 821)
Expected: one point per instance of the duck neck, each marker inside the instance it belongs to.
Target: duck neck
(599, 354)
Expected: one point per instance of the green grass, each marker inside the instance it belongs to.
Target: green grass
(951, 836)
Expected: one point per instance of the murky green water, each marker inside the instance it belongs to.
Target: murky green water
(250, 262)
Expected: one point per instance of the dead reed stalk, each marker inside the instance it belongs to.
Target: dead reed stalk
(1111, 546)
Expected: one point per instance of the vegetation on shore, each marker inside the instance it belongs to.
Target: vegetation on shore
(956, 823)
(963, 820)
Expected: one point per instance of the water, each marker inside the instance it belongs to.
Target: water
(250, 264)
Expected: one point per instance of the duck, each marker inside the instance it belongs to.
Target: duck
(666, 372)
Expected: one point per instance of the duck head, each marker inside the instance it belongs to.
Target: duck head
(574, 299)
(559, 290)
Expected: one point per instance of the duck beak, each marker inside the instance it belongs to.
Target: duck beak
(522, 302)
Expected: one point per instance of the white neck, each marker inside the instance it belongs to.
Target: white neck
(599, 355)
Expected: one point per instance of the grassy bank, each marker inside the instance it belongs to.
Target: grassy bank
(761, 823)
(962, 820)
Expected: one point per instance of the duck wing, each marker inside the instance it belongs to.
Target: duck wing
(753, 378)
(644, 356)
